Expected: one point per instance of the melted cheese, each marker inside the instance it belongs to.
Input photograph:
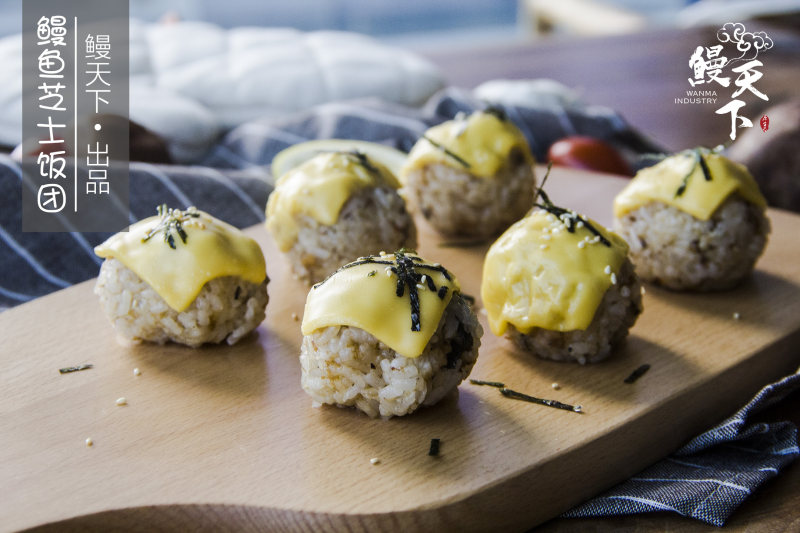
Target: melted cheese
(353, 297)
(537, 274)
(212, 249)
(319, 188)
(482, 140)
(701, 198)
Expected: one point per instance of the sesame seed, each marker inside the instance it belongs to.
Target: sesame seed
(420, 286)
(122, 401)
(736, 316)
(607, 270)
(89, 442)
(613, 279)
(388, 272)
(579, 224)
(382, 253)
(546, 237)
(643, 290)
(423, 279)
(555, 386)
(582, 244)
(295, 317)
(137, 372)
(374, 460)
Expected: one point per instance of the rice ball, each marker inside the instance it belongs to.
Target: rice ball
(387, 334)
(182, 276)
(561, 287)
(695, 221)
(471, 176)
(335, 207)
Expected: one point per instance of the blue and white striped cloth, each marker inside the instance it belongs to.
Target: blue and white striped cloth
(707, 479)
(714, 473)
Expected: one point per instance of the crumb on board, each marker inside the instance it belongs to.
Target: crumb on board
(295, 317)
(122, 401)
(555, 386)
(737, 316)
(374, 461)
(137, 372)
(89, 442)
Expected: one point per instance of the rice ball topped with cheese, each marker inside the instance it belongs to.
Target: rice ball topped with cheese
(182, 276)
(386, 334)
(694, 221)
(561, 286)
(471, 176)
(335, 207)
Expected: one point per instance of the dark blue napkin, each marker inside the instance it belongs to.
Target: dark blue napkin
(714, 473)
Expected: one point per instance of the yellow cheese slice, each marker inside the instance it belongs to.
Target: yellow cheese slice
(538, 274)
(212, 249)
(482, 140)
(319, 188)
(701, 197)
(365, 296)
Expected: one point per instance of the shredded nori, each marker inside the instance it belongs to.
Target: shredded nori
(508, 393)
(699, 159)
(636, 374)
(237, 293)
(171, 219)
(568, 217)
(433, 451)
(452, 154)
(498, 384)
(496, 110)
(405, 267)
(698, 154)
(372, 273)
(363, 160)
(77, 368)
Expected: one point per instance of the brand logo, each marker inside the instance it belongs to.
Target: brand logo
(714, 67)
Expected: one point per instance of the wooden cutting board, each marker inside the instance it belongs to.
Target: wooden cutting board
(223, 438)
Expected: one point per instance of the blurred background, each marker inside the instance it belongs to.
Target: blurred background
(415, 23)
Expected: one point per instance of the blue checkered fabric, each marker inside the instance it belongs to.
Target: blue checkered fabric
(714, 473)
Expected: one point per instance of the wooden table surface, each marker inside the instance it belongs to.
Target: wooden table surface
(640, 75)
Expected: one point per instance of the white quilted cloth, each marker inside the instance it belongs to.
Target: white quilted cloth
(192, 80)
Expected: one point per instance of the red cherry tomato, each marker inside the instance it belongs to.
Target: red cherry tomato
(588, 153)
